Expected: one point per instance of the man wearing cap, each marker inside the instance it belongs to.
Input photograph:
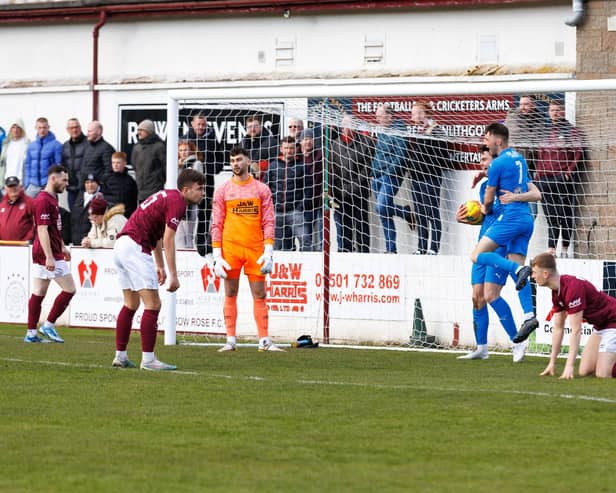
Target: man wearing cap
(149, 160)
(16, 212)
(106, 224)
(80, 223)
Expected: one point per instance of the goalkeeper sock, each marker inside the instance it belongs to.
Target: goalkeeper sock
(492, 259)
(59, 305)
(503, 311)
(149, 324)
(229, 311)
(34, 311)
(231, 340)
(124, 324)
(261, 317)
(480, 322)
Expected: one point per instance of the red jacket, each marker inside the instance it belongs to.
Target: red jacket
(17, 218)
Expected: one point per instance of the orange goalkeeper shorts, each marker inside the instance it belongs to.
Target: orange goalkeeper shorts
(238, 257)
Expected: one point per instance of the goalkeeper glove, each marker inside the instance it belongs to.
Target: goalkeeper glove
(267, 260)
(221, 266)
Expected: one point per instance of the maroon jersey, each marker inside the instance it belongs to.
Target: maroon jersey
(17, 218)
(147, 224)
(47, 213)
(576, 295)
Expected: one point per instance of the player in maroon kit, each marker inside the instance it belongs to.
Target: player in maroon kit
(150, 229)
(49, 256)
(579, 300)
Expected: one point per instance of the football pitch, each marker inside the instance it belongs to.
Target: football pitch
(306, 420)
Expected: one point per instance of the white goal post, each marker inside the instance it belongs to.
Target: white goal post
(255, 91)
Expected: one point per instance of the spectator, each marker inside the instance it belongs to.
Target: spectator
(44, 152)
(296, 126)
(97, 157)
(120, 187)
(149, 159)
(205, 140)
(13, 152)
(285, 177)
(80, 223)
(187, 158)
(16, 212)
(260, 145)
(72, 158)
(388, 167)
(557, 162)
(106, 224)
(312, 161)
(429, 156)
(350, 157)
(527, 129)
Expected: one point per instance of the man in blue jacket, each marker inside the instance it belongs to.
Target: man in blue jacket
(43, 152)
(388, 169)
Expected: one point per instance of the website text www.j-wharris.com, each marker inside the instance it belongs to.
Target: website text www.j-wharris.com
(341, 297)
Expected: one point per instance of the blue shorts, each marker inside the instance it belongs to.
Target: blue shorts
(513, 232)
(481, 274)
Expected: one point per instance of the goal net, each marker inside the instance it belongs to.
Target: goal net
(366, 184)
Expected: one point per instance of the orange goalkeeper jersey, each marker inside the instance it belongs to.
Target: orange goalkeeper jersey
(243, 214)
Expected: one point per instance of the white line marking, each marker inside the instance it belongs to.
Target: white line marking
(331, 382)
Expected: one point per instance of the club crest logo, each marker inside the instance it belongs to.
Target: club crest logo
(211, 283)
(87, 274)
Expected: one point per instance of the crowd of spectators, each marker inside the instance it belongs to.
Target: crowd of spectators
(365, 169)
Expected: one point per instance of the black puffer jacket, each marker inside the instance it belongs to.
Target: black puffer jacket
(72, 158)
(97, 160)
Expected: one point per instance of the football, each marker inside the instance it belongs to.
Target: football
(473, 212)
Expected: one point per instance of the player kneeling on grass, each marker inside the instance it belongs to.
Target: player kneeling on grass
(150, 229)
(243, 236)
(578, 299)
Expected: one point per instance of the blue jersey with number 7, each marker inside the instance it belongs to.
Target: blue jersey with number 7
(509, 171)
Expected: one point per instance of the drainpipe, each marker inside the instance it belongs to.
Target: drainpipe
(578, 14)
(97, 27)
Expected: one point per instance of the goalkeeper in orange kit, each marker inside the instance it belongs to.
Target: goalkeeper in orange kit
(243, 236)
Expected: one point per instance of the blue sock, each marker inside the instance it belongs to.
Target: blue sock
(480, 323)
(526, 297)
(503, 311)
(492, 259)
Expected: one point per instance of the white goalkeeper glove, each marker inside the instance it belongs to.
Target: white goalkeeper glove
(221, 266)
(267, 260)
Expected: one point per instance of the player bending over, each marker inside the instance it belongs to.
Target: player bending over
(150, 229)
(243, 236)
(488, 281)
(579, 300)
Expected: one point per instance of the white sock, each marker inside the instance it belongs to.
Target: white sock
(31, 332)
(147, 357)
(48, 324)
(482, 348)
(264, 341)
(231, 340)
(122, 355)
(529, 316)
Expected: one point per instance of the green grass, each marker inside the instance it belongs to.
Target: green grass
(306, 420)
